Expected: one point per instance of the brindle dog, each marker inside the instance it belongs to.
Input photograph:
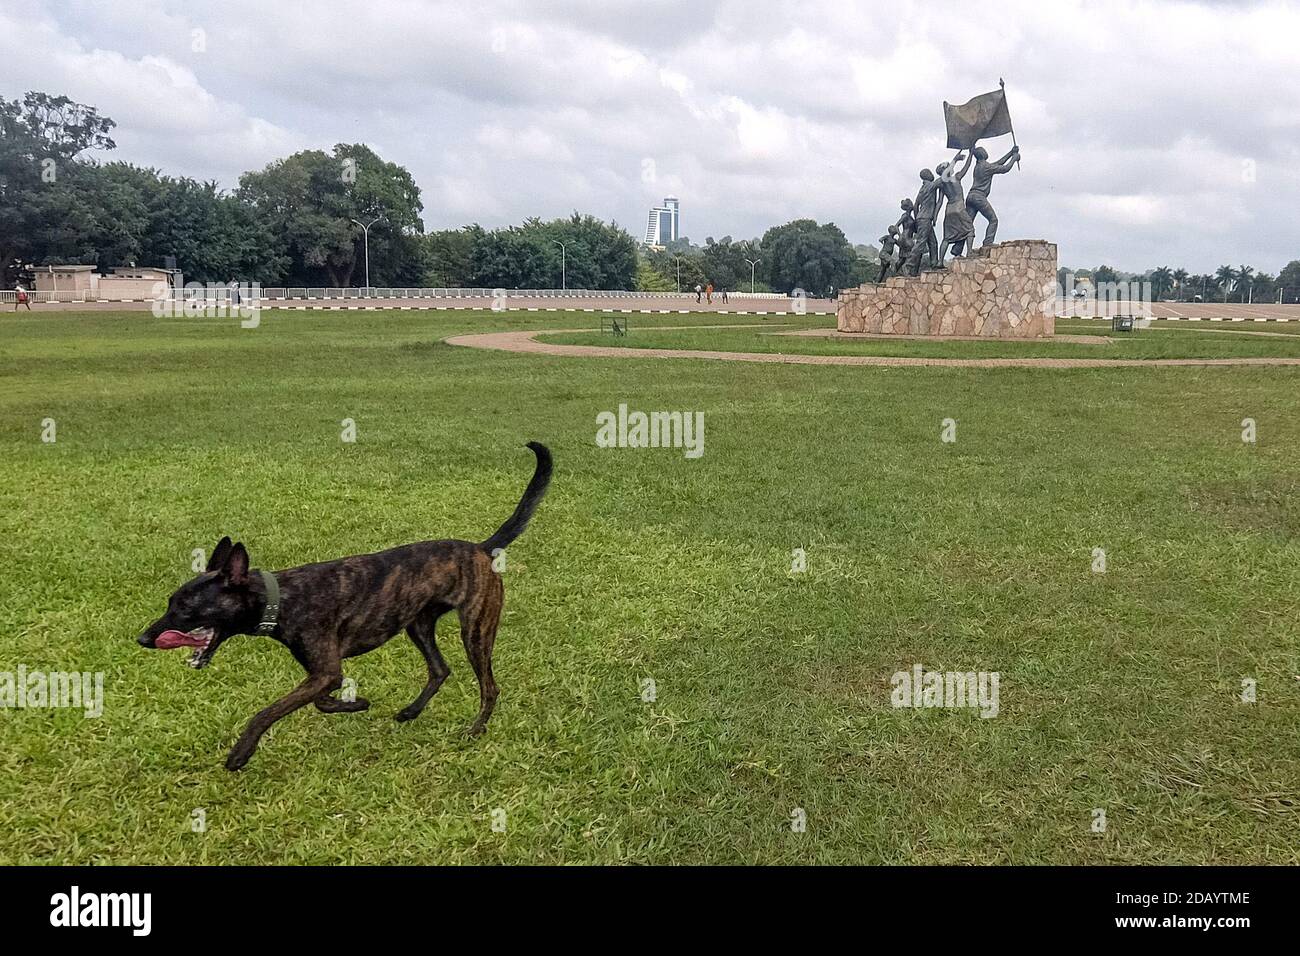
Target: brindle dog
(340, 609)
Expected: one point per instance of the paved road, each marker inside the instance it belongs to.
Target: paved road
(1256, 312)
(667, 305)
(655, 305)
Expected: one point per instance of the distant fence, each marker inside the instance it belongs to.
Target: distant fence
(220, 293)
(298, 292)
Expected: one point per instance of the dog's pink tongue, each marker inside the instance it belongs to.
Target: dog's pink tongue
(168, 640)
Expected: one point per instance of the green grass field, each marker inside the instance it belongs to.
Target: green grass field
(1118, 691)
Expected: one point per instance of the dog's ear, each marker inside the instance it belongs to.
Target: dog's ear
(236, 569)
(220, 554)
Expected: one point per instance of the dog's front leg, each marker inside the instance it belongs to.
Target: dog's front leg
(311, 688)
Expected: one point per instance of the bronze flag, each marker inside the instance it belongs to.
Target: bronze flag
(983, 117)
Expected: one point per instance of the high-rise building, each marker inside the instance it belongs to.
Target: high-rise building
(663, 225)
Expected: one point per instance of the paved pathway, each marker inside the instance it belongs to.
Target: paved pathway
(907, 337)
(527, 342)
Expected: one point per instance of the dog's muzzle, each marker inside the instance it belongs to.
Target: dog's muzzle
(201, 639)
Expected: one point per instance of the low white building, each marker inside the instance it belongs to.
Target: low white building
(78, 283)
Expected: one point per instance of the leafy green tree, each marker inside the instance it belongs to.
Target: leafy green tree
(687, 261)
(595, 255)
(1265, 287)
(1104, 274)
(804, 255)
(724, 263)
(865, 269)
(1288, 281)
(648, 279)
(43, 213)
(509, 259)
(142, 216)
(447, 258)
(309, 200)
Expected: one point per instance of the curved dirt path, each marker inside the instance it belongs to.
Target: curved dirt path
(526, 341)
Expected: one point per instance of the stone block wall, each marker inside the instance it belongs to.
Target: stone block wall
(1007, 290)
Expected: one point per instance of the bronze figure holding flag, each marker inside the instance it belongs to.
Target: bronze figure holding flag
(978, 199)
(981, 117)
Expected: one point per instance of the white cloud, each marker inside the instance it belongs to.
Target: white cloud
(1137, 120)
(164, 115)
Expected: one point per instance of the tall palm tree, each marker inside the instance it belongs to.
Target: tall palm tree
(1180, 280)
(1224, 277)
(1244, 275)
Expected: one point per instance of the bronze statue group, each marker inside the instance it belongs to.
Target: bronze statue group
(912, 238)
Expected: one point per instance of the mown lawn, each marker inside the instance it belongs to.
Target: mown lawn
(1119, 691)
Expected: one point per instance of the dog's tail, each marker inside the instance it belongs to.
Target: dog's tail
(518, 521)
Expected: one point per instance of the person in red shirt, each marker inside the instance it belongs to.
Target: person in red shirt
(21, 298)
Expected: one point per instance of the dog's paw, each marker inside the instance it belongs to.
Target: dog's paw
(407, 713)
(475, 729)
(332, 705)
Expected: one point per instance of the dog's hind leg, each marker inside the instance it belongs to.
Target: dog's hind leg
(421, 632)
(478, 630)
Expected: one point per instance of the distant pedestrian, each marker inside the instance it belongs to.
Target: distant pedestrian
(724, 293)
(20, 298)
(708, 293)
(698, 291)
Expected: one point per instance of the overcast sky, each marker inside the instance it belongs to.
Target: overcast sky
(1152, 133)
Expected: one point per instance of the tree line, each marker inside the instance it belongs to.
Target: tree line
(801, 254)
(298, 222)
(1226, 284)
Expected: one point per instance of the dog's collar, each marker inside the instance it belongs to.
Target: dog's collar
(270, 616)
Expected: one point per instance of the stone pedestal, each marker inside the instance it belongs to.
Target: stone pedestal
(1007, 290)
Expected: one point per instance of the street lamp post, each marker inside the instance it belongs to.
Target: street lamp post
(365, 232)
(752, 264)
(564, 278)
